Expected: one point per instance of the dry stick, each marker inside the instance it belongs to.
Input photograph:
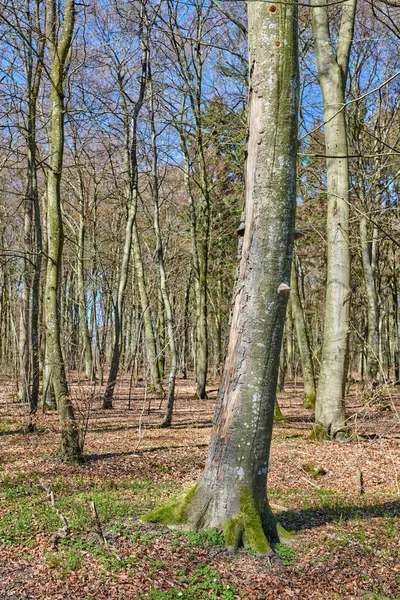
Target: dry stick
(97, 521)
(64, 532)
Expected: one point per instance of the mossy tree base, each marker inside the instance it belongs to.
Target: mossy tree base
(156, 388)
(247, 528)
(321, 433)
(173, 512)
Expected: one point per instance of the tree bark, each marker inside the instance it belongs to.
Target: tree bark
(332, 71)
(59, 46)
(231, 494)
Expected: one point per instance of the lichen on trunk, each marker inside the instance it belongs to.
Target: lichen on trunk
(231, 495)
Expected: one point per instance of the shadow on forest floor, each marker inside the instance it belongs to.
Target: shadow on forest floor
(92, 458)
(19, 431)
(301, 419)
(309, 518)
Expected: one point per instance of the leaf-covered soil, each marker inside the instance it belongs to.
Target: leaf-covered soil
(341, 499)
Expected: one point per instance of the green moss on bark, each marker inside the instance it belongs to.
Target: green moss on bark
(318, 433)
(173, 512)
(246, 527)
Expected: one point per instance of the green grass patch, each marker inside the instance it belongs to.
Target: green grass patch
(210, 537)
(203, 584)
(27, 509)
(65, 561)
(286, 554)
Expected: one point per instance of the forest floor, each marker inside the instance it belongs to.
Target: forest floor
(347, 540)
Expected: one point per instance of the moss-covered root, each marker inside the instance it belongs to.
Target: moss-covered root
(247, 528)
(173, 512)
(318, 433)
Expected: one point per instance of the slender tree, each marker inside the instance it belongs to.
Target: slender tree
(303, 341)
(160, 259)
(58, 41)
(332, 71)
(132, 242)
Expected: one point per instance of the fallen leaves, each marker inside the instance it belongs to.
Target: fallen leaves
(345, 541)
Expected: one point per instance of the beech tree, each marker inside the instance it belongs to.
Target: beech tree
(333, 71)
(59, 45)
(231, 494)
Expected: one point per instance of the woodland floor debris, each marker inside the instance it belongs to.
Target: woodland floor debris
(346, 544)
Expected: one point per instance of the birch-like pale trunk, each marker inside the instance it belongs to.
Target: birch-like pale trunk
(332, 72)
(59, 45)
(231, 494)
(303, 341)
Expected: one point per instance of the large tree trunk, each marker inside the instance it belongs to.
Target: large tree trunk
(332, 71)
(303, 341)
(70, 450)
(231, 494)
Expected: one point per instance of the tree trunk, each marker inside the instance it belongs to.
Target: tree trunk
(302, 341)
(231, 494)
(161, 267)
(118, 306)
(186, 322)
(25, 315)
(29, 340)
(70, 450)
(199, 259)
(86, 341)
(372, 302)
(332, 71)
(131, 116)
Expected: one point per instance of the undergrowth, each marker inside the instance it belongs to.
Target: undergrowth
(203, 583)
